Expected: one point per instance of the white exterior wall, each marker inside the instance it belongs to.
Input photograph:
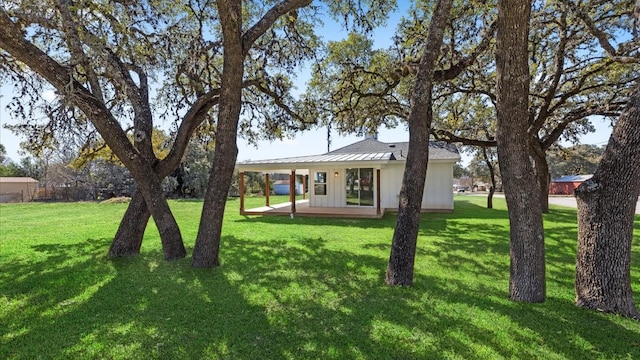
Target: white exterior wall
(335, 196)
(438, 193)
(390, 183)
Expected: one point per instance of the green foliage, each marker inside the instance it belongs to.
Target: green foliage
(126, 53)
(572, 77)
(459, 171)
(298, 288)
(479, 169)
(359, 88)
(3, 154)
(26, 167)
(351, 87)
(575, 160)
(190, 179)
(11, 170)
(364, 15)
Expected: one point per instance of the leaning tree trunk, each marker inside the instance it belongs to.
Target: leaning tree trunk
(128, 238)
(543, 176)
(405, 235)
(207, 246)
(12, 41)
(148, 200)
(151, 189)
(492, 176)
(606, 211)
(527, 270)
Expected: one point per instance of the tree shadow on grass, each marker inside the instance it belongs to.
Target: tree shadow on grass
(138, 307)
(296, 298)
(329, 298)
(387, 221)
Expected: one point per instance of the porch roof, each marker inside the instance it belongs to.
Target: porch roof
(303, 162)
(367, 151)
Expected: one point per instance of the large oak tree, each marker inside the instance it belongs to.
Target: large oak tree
(405, 235)
(238, 43)
(571, 80)
(527, 269)
(64, 61)
(607, 201)
(106, 59)
(359, 88)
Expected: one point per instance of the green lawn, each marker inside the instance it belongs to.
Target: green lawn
(291, 288)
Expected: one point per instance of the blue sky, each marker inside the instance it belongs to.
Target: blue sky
(306, 143)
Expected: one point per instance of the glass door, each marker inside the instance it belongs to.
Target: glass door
(366, 187)
(353, 187)
(359, 186)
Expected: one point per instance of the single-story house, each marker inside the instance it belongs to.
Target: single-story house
(359, 180)
(566, 185)
(18, 189)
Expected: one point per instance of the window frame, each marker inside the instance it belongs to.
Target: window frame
(317, 183)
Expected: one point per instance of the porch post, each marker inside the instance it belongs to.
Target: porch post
(304, 186)
(241, 192)
(292, 191)
(378, 210)
(266, 188)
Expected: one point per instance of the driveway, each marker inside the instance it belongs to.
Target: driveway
(570, 201)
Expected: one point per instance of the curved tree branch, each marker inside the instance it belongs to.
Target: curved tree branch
(259, 28)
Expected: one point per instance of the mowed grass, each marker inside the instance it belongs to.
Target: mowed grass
(297, 288)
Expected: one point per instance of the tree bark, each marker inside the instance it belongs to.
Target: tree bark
(236, 47)
(543, 177)
(151, 190)
(128, 238)
(207, 246)
(606, 210)
(527, 269)
(403, 246)
(492, 175)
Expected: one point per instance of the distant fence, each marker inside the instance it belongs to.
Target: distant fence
(13, 197)
(67, 193)
(78, 193)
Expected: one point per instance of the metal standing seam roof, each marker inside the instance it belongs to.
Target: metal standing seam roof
(572, 178)
(364, 150)
(322, 158)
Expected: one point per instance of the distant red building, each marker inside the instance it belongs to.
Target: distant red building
(567, 184)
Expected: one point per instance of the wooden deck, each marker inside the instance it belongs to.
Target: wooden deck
(303, 209)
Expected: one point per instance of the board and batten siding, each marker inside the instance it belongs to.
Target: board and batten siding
(335, 196)
(438, 192)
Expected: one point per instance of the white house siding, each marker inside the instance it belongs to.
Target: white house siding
(335, 195)
(390, 183)
(438, 193)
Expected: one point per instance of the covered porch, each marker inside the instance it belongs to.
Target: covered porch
(333, 185)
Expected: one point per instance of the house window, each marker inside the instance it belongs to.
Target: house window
(320, 183)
